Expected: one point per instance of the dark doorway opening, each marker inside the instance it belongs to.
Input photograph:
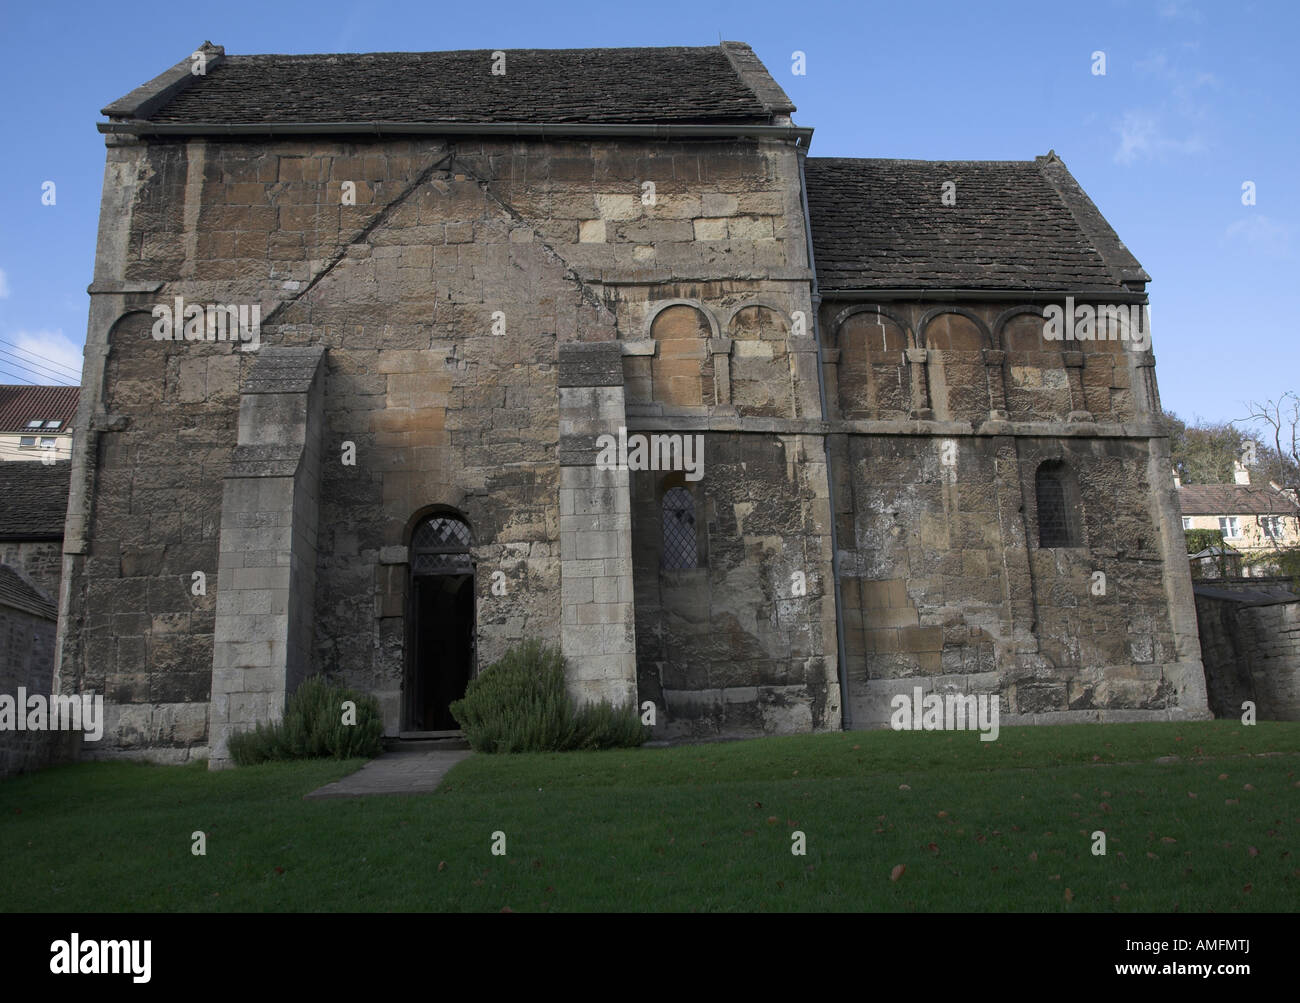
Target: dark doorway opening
(442, 618)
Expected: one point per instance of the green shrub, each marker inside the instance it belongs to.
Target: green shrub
(519, 704)
(1199, 539)
(313, 728)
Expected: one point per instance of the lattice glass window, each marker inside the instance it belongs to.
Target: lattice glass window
(1272, 526)
(679, 530)
(1053, 513)
(441, 546)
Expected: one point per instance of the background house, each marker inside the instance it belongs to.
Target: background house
(1255, 520)
(34, 419)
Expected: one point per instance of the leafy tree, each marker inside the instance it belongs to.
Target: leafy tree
(1203, 454)
(1199, 539)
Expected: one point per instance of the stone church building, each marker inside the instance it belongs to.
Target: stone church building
(359, 323)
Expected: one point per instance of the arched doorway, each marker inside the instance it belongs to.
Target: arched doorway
(442, 633)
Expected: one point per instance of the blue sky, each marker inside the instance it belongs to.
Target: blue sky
(1197, 99)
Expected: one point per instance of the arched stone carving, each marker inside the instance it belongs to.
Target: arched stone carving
(760, 374)
(874, 378)
(748, 304)
(939, 329)
(1038, 386)
(957, 342)
(1001, 320)
(681, 370)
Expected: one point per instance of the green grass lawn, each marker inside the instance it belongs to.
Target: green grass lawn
(978, 826)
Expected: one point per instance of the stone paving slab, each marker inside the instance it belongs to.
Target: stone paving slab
(397, 772)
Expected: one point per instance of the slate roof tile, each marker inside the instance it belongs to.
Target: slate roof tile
(19, 593)
(1016, 225)
(20, 403)
(1234, 499)
(632, 85)
(33, 499)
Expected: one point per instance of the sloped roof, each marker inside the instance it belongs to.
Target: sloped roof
(1233, 499)
(18, 592)
(20, 404)
(1016, 225)
(707, 84)
(33, 499)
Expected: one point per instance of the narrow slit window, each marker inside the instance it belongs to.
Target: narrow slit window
(1055, 522)
(680, 548)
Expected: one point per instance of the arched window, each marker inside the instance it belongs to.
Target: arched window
(1056, 518)
(680, 549)
(441, 546)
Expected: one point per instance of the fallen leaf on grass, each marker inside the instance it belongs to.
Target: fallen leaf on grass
(897, 872)
(1069, 895)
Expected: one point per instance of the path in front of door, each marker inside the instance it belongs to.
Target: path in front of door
(413, 770)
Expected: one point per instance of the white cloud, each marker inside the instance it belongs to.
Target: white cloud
(1259, 232)
(50, 354)
(1177, 112)
(1141, 137)
(4, 285)
(1176, 9)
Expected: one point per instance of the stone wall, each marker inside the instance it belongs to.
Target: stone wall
(1251, 649)
(26, 660)
(744, 642)
(443, 281)
(39, 560)
(440, 278)
(942, 419)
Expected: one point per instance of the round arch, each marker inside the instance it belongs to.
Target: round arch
(838, 323)
(939, 311)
